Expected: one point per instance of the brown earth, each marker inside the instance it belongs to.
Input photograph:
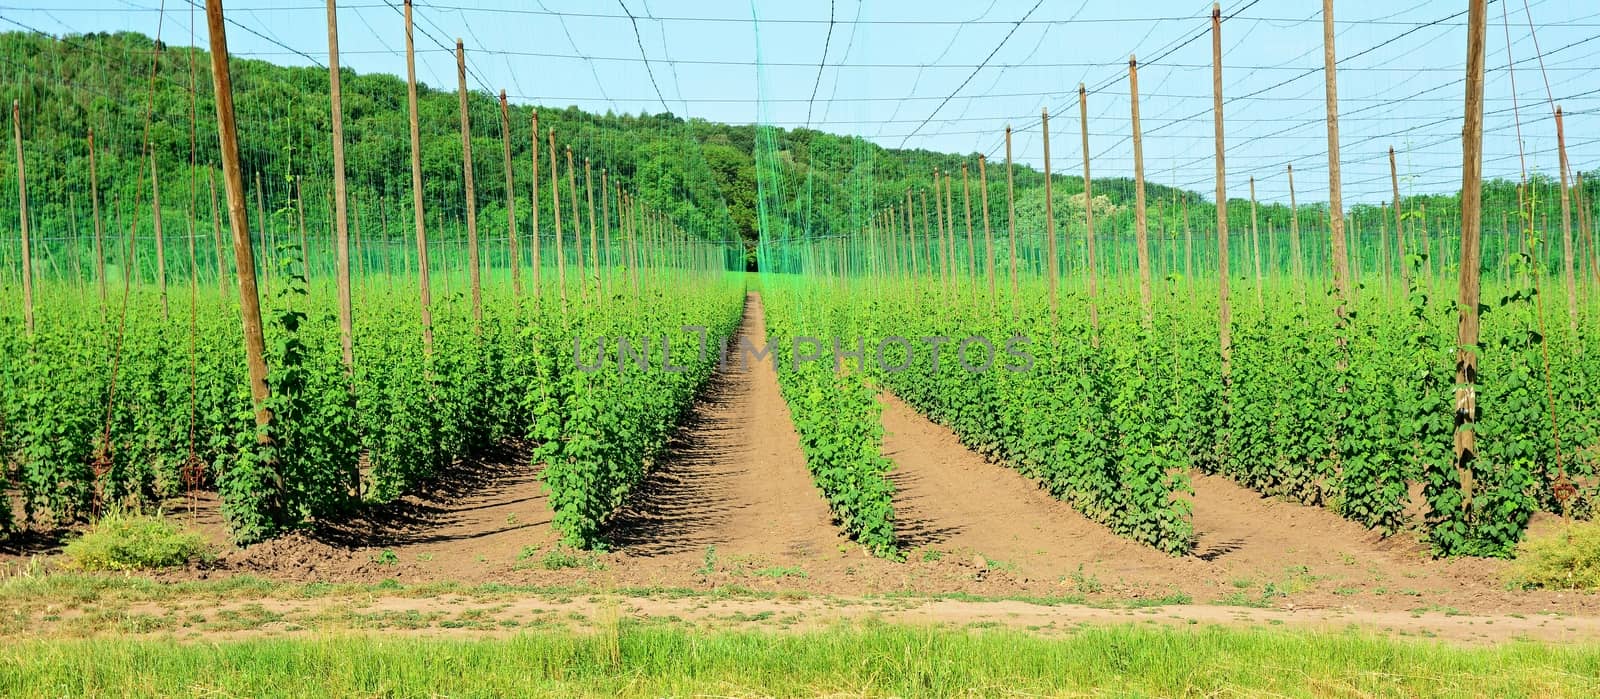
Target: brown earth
(733, 506)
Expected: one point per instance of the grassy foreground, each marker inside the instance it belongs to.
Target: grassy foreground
(869, 660)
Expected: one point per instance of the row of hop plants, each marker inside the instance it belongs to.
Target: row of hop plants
(835, 409)
(1087, 415)
(122, 408)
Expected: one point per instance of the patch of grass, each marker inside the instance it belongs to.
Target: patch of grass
(1085, 583)
(1241, 598)
(657, 660)
(708, 565)
(1565, 560)
(778, 572)
(1162, 601)
(560, 558)
(386, 558)
(996, 564)
(133, 542)
(932, 555)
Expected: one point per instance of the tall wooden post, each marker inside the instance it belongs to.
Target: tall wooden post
(972, 256)
(1567, 266)
(938, 209)
(1341, 271)
(155, 215)
(594, 242)
(238, 217)
(473, 270)
(633, 239)
(1294, 230)
(22, 215)
(1466, 398)
(605, 228)
(928, 233)
(1399, 225)
(555, 205)
(911, 238)
(341, 206)
(1140, 230)
(533, 203)
(1224, 307)
(988, 234)
(1011, 217)
(577, 224)
(1049, 214)
(1588, 231)
(511, 198)
(1088, 220)
(416, 187)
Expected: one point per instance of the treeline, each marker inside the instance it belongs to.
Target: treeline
(702, 174)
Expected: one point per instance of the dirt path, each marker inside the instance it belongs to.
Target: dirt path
(477, 613)
(950, 499)
(735, 478)
(480, 514)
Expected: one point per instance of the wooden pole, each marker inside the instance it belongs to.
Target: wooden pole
(238, 218)
(473, 269)
(1341, 271)
(1588, 232)
(1011, 217)
(577, 225)
(928, 233)
(555, 204)
(972, 256)
(1224, 308)
(511, 199)
(605, 227)
(594, 242)
(1088, 219)
(341, 210)
(1049, 215)
(1294, 230)
(1567, 265)
(533, 203)
(1399, 225)
(938, 209)
(1466, 399)
(988, 234)
(22, 214)
(911, 238)
(416, 188)
(1140, 225)
(155, 215)
(633, 239)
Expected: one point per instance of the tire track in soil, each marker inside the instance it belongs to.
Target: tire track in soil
(734, 476)
(949, 498)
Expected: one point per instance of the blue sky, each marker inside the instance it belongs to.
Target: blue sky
(907, 73)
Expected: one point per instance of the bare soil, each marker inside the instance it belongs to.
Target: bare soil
(733, 506)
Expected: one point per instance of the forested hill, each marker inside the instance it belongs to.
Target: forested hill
(704, 174)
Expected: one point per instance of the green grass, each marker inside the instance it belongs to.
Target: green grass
(875, 660)
(1568, 559)
(133, 542)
